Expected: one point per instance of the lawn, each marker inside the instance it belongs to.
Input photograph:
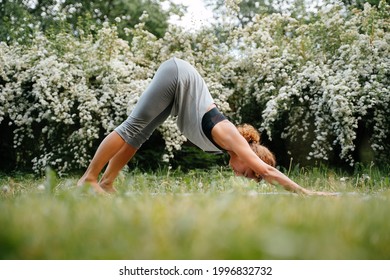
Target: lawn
(196, 215)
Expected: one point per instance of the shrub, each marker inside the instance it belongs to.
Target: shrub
(317, 83)
(62, 96)
(326, 79)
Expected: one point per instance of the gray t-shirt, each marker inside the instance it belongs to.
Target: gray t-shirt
(192, 99)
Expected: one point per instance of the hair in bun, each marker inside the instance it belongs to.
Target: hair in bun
(250, 134)
(264, 154)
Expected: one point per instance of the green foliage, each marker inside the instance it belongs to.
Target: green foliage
(19, 19)
(191, 157)
(299, 9)
(62, 87)
(51, 181)
(71, 91)
(177, 215)
(319, 87)
(360, 3)
(317, 81)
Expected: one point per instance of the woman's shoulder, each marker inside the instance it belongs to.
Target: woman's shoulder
(226, 135)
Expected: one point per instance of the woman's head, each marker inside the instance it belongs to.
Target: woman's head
(252, 136)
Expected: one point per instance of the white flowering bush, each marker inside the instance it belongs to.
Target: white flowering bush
(317, 83)
(321, 82)
(62, 96)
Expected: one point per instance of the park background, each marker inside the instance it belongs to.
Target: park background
(313, 77)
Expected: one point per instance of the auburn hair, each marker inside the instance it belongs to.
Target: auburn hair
(252, 136)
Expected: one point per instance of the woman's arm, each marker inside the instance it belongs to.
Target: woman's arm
(227, 136)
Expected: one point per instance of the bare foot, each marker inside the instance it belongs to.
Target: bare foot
(107, 187)
(93, 184)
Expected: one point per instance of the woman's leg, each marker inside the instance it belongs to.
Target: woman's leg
(152, 109)
(127, 151)
(108, 148)
(115, 166)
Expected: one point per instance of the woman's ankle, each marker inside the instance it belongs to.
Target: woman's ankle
(107, 185)
(85, 179)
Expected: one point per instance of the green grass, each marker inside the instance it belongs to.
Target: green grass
(196, 215)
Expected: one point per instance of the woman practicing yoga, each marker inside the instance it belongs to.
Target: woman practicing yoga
(178, 89)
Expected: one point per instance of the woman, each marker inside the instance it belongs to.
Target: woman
(178, 89)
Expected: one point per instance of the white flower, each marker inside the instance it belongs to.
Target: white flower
(319, 80)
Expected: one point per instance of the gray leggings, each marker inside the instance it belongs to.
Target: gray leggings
(153, 107)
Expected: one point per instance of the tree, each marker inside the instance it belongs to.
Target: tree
(246, 8)
(360, 3)
(20, 18)
(299, 9)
